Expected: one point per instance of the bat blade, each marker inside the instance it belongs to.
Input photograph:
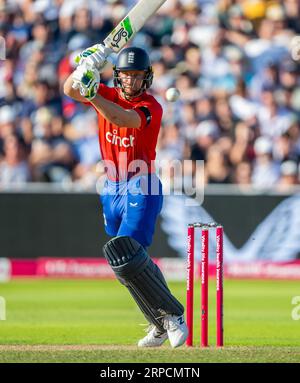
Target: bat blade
(131, 24)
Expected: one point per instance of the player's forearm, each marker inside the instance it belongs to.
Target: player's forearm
(116, 114)
(73, 93)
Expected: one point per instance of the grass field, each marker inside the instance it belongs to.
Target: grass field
(96, 321)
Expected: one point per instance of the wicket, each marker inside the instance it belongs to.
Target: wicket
(205, 227)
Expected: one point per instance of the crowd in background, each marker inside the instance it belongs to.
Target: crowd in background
(234, 63)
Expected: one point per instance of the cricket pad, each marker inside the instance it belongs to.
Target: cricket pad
(135, 269)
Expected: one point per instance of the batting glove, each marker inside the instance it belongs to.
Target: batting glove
(86, 79)
(95, 56)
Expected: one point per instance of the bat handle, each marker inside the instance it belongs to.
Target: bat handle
(107, 51)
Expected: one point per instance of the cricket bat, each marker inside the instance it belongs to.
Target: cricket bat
(131, 24)
(128, 27)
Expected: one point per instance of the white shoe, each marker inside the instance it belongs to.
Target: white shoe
(176, 328)
(154, 338)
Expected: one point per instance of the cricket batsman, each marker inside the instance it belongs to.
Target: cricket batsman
(129, 122)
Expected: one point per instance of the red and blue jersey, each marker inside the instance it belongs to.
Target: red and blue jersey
(121, 146)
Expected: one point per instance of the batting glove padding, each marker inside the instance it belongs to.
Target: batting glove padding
(86, 79)
(94, 56)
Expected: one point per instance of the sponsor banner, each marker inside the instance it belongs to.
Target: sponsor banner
(74, 268)
(174, 269)
(264, 270)
(5, 269)
(23, 267)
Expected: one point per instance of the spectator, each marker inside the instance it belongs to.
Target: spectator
(288, 175)
(265, 171)
(193, 62)
(241, 104)
(242, 145)
(266, 77)
(224, 116)
(82, 132)
(172, 146)
(243, 174)
(289, 78)
(204, 108)
(82, 24)
(283, 148)
(273, 119)
(215, 66)
(206, 134)
(42, 42)
(292, 11)
(217, 169)
(14, 168)
(188, 121)
(51, 156)
(42, 97)
(7, 122)
(229, 59)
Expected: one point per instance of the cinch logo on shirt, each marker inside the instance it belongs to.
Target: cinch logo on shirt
(114, 139)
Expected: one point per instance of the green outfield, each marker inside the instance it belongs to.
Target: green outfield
(96, 321)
